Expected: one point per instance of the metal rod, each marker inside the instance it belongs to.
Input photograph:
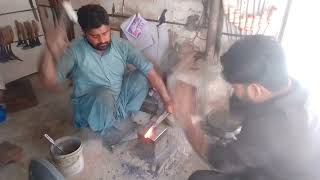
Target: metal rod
(227, 27)
(44, 5)
(284, 20)
(128, 16)
(27, 39)
(232, 34)
(253, 17)
(160, 134)
(152, 20)
(13, 12)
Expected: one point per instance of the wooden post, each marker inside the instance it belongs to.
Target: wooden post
(213, 30)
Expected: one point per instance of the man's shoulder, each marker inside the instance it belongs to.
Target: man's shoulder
(77, 44)
(118, 42)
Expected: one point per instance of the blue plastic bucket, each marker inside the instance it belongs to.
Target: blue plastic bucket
(3, 114)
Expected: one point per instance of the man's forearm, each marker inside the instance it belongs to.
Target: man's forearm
(48, 72)
(185, 103)
(158, 84)
(196, 138)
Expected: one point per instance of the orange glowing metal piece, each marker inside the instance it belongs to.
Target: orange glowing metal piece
(150, 132)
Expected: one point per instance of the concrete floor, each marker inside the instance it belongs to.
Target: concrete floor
(53, 116)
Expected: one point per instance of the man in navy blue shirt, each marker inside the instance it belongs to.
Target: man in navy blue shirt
(278, 140)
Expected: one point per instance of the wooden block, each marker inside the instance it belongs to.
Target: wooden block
(19, 95)
(9, 153)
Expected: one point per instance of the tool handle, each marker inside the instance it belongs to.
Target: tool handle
(49, 138)
(161, 118)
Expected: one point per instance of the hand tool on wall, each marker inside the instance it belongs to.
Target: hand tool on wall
(162, 18)
(19, 34)
(122, 7)
(54, 10)
(10, 35)
(113, 9)
(36, 32)
(32, 34)
(6, 39)
(29, 34)
(24, 36)
(34, 11)
(3, 54)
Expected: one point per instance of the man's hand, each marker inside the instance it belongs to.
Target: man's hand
(169, 107)
(158, 84)
(57, 42)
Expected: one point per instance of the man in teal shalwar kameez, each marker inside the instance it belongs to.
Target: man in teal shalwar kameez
(104, 92)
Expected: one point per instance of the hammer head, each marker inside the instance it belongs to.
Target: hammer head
(70, 11)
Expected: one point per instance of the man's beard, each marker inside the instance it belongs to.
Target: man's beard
(100, 46)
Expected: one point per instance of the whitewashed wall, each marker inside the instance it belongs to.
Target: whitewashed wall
(16, 69)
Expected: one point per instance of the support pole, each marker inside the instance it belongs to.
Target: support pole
(212, 35)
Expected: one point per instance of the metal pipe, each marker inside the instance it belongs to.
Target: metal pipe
(13, 12)
(284, 20)
(214, 7)
(128, 16)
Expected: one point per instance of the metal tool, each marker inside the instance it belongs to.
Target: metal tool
(34, 11)
(113, 9)
(122, 7)
(24, 36)
(19, 34)
(53, 143)
(6, 39)
(54, 11)
(36, 30)
(162, 117)
(29, 33)
(72, 15)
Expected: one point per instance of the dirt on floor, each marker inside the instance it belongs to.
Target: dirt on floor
(53, 115)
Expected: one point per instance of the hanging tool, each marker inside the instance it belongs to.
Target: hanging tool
(18, 31)
(122, 7)
(270, 18)
(34, 11)
(6, 39)
(54, 11)
(29, 34)
(162, 18)
(10, 35)
(113, 9)
(72, 15)
(3, 54)
(35, 26)
(24, 36)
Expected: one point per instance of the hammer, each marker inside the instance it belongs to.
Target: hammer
(72, 15)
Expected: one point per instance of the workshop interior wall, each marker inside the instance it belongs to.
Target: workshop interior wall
(13, 70)
(178, 11)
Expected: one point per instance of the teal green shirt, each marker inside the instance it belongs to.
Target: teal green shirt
(89, 69)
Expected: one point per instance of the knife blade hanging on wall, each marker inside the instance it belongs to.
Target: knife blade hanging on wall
(34, 11)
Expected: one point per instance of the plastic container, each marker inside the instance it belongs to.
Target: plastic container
(72, 161)
(3, 114)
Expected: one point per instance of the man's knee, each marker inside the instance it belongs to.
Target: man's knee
(104, 96)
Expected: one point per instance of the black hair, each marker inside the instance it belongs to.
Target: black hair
(92, 16)
(256, 59)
